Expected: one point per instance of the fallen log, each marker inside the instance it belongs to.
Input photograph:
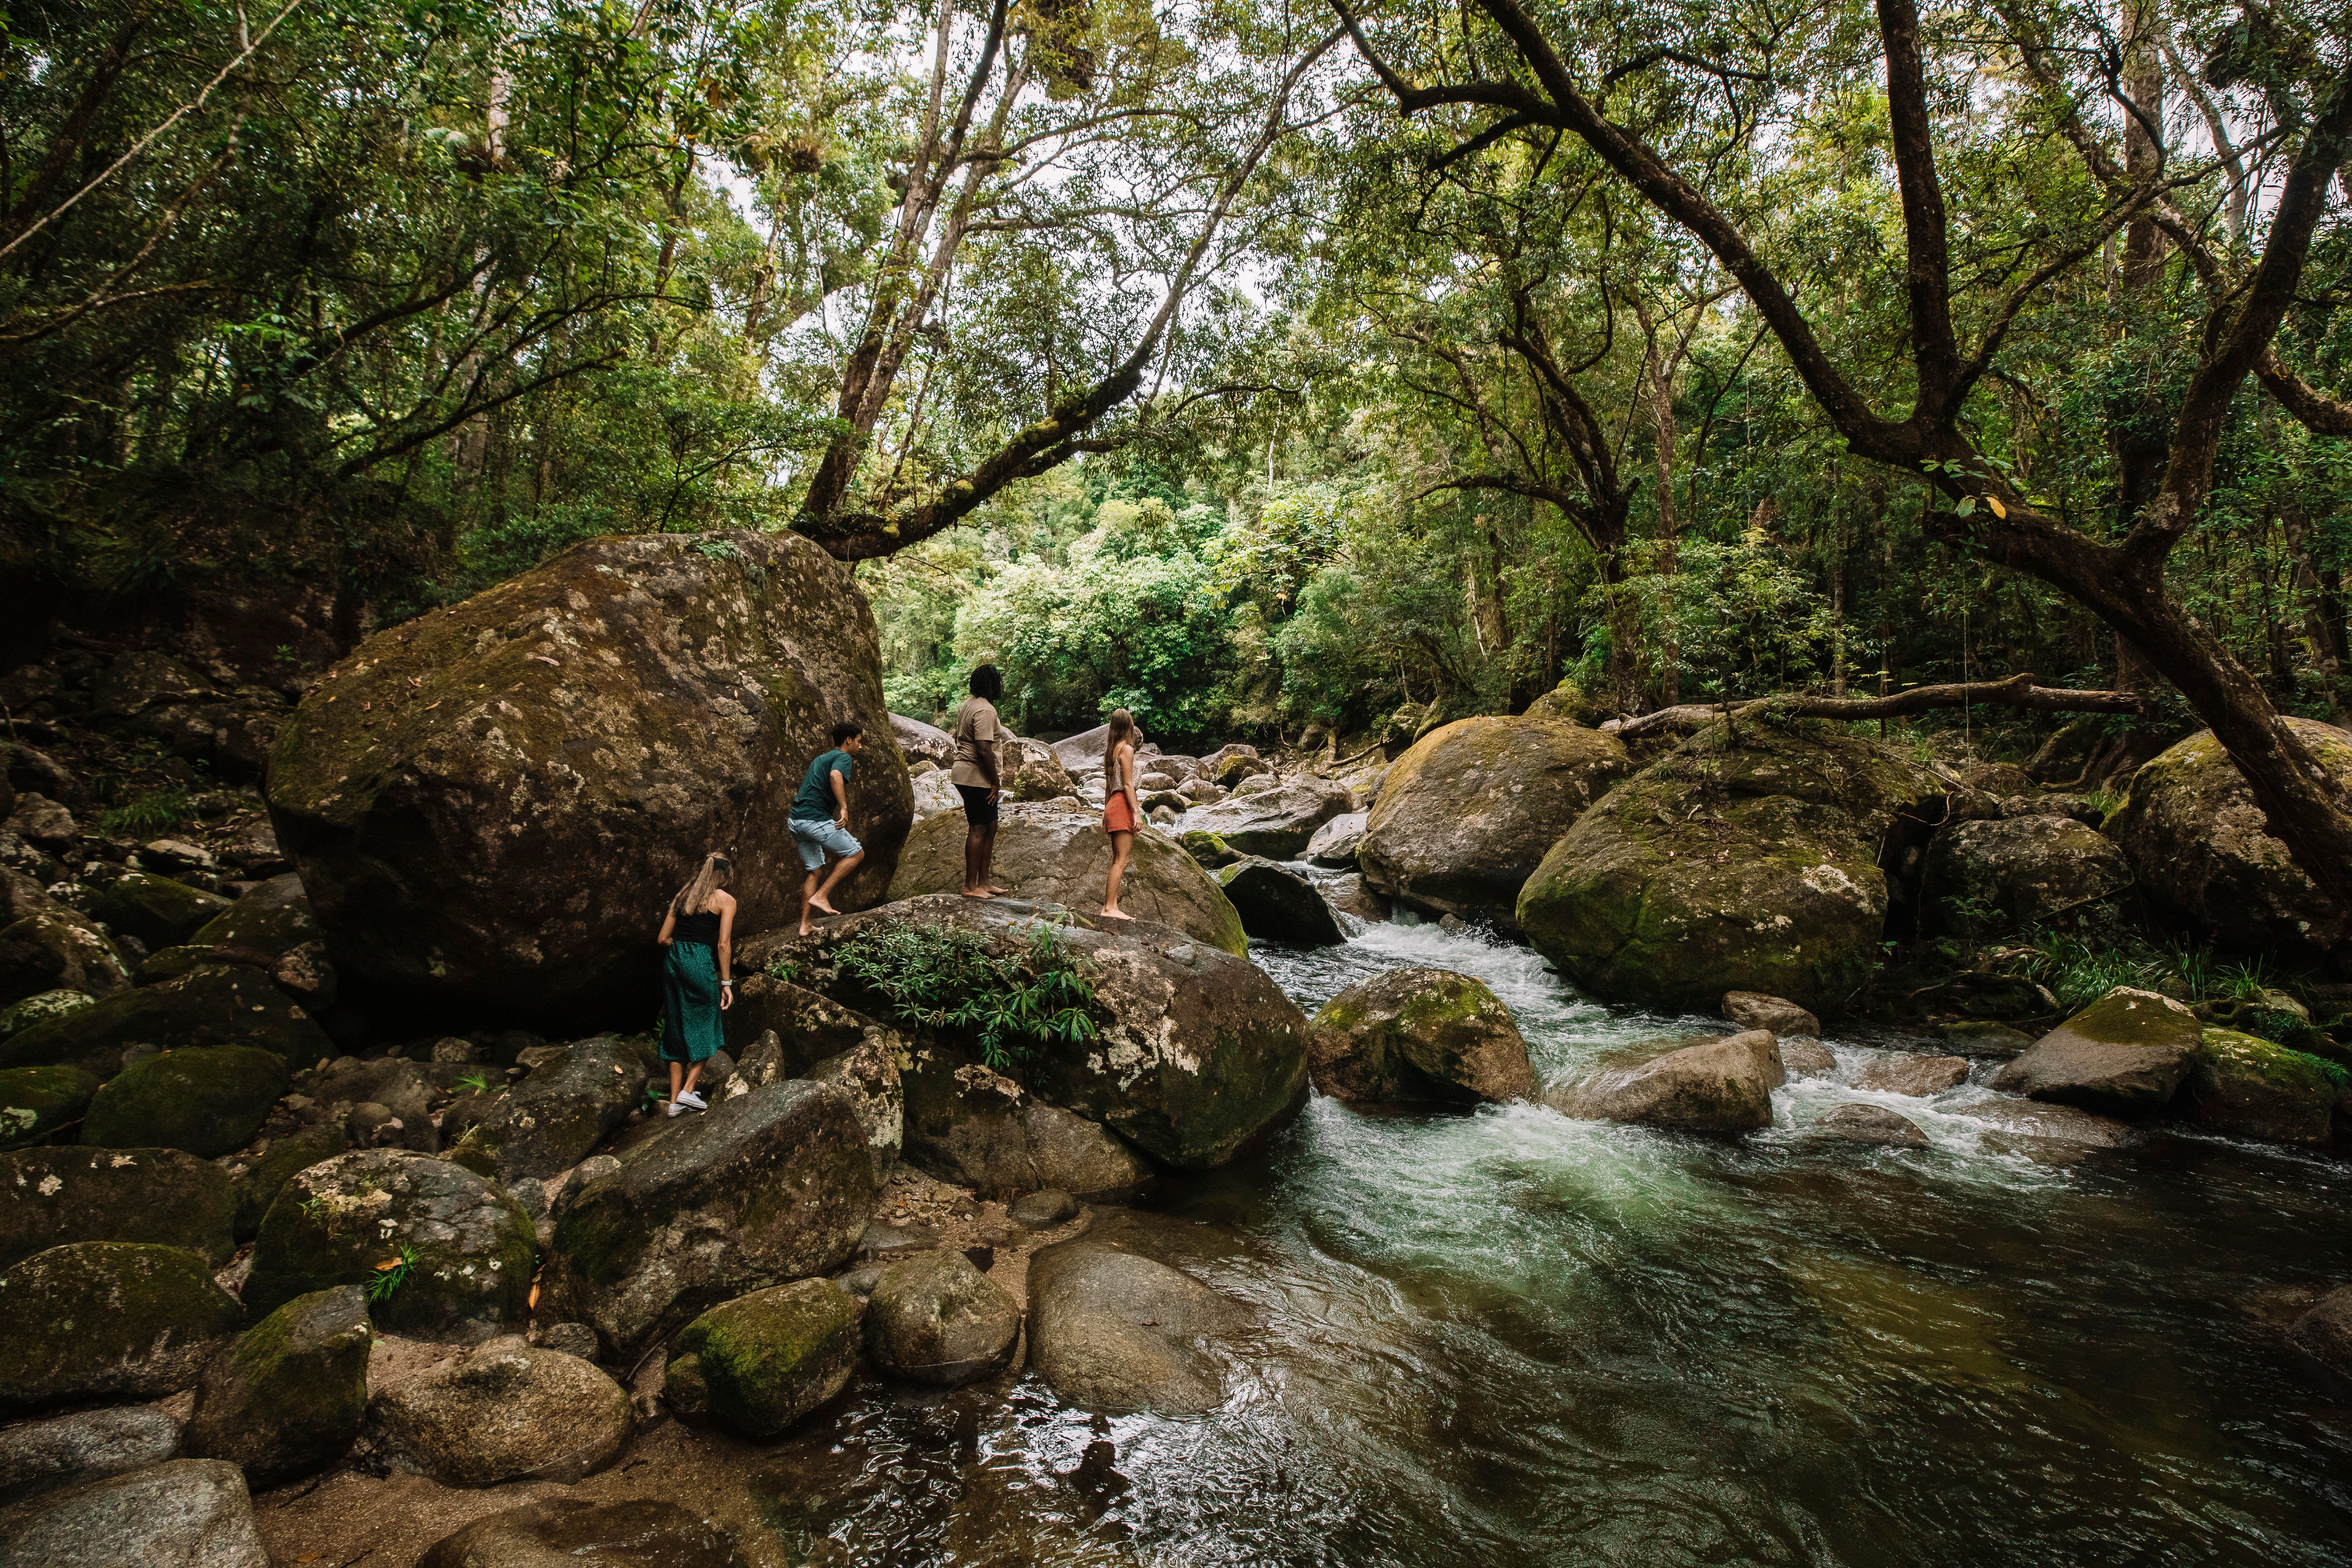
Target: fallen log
(2017, 691)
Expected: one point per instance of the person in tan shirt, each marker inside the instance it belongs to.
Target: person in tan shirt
(979, 778)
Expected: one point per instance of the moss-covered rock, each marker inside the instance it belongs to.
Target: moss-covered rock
(573, 1097)
(1465, 816)
(108, 1319)
(207, 1099)
(1276, 904)
(274, 918)
(485, 801)
(1716, 1086)
(288, 1398)
(1207, 849)
(157, 910)
(2124, 1055)
(771, 1186)
(36, 1101)
(1278, 822)
(767, 1359)
(507, 1412)
(935, 1319)
(167, 1197)
(980, 1129)
(1196, 1053)
(2018, 873)
(2199, 844)
(58, 949)
(1410, 1034)
(1058, 857)
(461, 1250)
(257, 1176)
(2251, 1088)
(41, 1008)
(223, 1004)
(1745, 862)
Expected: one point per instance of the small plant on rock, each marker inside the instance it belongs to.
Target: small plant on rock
(158, 811)
(1012, 1002)
(391, 1275)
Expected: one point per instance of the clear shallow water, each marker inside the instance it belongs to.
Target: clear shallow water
(1506, 1337)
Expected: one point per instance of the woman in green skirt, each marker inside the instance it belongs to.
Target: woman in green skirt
(696, 987)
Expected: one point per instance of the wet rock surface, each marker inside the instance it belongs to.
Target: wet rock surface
(1276, 904)
(935, 1319)
(1410, 1035)
(2249, 1087)
(1907, 1072)
(2124, 1055)
(1112, 1330)
(505, 1413)
(566, 1532)
(1874, 1126)
(1716, 1085)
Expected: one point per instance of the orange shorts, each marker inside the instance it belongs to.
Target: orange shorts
(1118, 816)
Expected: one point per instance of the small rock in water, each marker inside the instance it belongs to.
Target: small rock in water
(1871, 1124)
(1905, 1072)
(1754, 1010)
(2325, 1332)
(1983, 1037)
(2123, 1055)
(762, 1361)
(1042, 1211)
(1807, 1058)
(940, 1320)
(1451, 924)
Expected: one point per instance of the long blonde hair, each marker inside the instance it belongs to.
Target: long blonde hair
(1122, 725)
(695, 897)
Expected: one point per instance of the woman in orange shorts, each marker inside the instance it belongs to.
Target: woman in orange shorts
(1122, 812)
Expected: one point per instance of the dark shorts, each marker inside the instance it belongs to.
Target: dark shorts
(979, 805)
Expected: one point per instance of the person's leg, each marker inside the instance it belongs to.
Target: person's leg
(1122, 845)
(672, 1101)
(841, 868)
(975, 840)
(808, 896)
(988, 860)
(686, 1095)
(813, 867)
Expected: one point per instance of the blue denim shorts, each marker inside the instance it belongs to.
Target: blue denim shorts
(817, 835)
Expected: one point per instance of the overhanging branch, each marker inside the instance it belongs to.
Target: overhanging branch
(2017, 691)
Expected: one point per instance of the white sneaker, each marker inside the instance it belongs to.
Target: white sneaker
(693, 1100)
(675, 1109)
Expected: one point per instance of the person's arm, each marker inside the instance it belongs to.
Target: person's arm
(986, 752)
(726, 903)
(669, 922)
(840, 798)
(1126, 780)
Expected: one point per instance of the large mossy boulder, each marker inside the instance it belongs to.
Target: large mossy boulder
(2249, 1087)
(219, 1004)
(572, 1099)
(157, 910)
(2125, 1055)
(460, 1249)
(36, 1101)
(1193, 1053)
(484, 802)
(186, 1513)
(290, 1398)
(167, 1196)
(1278, 822)
(1410, 1034)
(935, 1319)
(1276, 904)
(1743, 860)
(1062, 857)
(207, 1099)
(108, 1319)
(1467, 815)
(2189, 825)
(274, 918)
(771, 1186)
(760, 1363)
(1714, 1085)
(979, 1129)
(2013, 874)
(506, 1412)
(58, 949)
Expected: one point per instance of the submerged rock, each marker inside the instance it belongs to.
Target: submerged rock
(108, 1319)
(567, 1532)
(1057, 857)
(290, 1398)
(1874, 1125)
(208, 1101)
(1467, 815)
(1716, 1086)
(763, 1360)
(38, 1457)
(1752, 1010)
(1113, 1332)
(167, 1196)
(187, 1513)
(2192, 831)
(485, 801)
(462, 1249)
(505, 1413)
(1278, 822)
(1276, 904)
(1744, 864)
(937, 1319)
(2124, 1054)
(2244, 1084)
(1804, 1057)
(1409, 1035)
(771, 1186)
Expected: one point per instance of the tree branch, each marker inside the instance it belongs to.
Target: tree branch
(2017, 691)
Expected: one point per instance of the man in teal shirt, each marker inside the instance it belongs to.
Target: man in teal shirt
(820, 821)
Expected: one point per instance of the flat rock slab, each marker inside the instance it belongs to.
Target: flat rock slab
(1869, 1124)
(1044, 1210)
(566, 1532)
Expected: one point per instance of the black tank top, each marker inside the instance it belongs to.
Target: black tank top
(702, 928)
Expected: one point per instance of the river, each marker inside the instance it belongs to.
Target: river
(1505, 1337)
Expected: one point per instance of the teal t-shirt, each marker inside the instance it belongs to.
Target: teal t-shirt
(816, 799)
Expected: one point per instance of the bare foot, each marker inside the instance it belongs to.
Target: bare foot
(821, 906)
(1117, 915)
(807, 929)
(978, 893)
(995, 891)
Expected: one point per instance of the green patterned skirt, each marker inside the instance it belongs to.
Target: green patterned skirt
(690, 1030)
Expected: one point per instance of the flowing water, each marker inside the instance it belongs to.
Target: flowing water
(1506, 1337)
